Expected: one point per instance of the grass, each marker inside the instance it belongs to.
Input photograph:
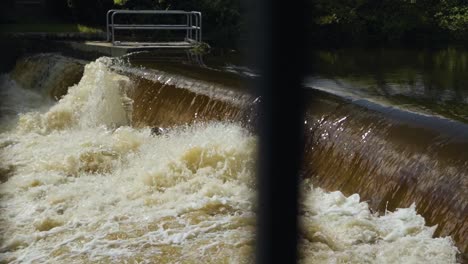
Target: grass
(48, 28)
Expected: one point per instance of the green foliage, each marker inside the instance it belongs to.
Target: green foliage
(86, 29)
(120, 2)
(201, 49)
(43, 27)
(342, 22)
(454, 19)
(390, 20)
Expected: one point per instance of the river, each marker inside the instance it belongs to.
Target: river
(106, 162)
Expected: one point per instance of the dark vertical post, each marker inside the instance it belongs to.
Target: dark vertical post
(187, 24)
(278, 45)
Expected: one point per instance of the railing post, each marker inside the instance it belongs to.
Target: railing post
(187, 23)
(196, 28)
(107, 25)
(191, 24)
(113, 28)
(200, 14)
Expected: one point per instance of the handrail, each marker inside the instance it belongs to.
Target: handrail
(192, 26)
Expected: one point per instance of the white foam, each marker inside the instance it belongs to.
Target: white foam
(98, 99)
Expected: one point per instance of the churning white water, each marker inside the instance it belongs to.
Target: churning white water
(80, 185)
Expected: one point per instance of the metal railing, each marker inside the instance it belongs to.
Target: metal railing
(192, 25)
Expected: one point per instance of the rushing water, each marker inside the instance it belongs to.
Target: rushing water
(397, 125)
(85, 179)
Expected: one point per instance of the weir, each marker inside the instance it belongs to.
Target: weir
(390, 159)
(391, 162)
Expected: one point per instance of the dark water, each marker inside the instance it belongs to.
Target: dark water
(428, 81)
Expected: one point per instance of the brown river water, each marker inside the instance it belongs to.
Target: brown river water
(103, 162)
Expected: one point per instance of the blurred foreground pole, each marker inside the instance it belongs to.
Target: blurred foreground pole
(278, 43)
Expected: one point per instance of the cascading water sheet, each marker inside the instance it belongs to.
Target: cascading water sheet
(81, 185)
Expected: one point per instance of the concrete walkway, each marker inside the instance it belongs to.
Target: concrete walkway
(106, 48)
